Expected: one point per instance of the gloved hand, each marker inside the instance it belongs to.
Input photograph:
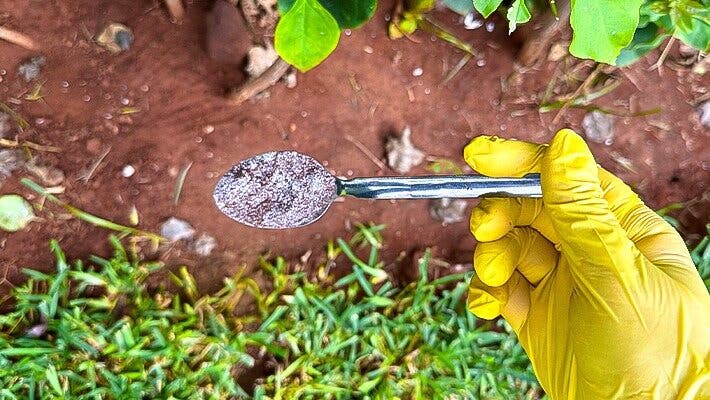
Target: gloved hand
(600, 290)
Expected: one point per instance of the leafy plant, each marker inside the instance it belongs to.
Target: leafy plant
(608, 31)
(308, 30)
(686, 20)
(361, 337)
(95, 332)
(109, 329)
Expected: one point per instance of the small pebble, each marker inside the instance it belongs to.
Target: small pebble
(87, 98)
(37, 330)
(598, 127)
(128, 171)
(417, 72)
(448, 210)
(348, 32)
(144, 88)
(704, 113)
(203, 245)
(115, 37)
(30, 69)
(490, 26)
(10, 160)
(65, 84)
(6, 124)
(207, 129)
(304, 114)
(481, 62)
(402, 156)
(368, 49)
(470, 22)
(125, 101)
(291, 80)
(175, 229)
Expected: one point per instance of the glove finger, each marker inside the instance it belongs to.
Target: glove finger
(590, 235)
(655, 238)
(497, 157)
(511, 300)
(523, 249)
(492, 218)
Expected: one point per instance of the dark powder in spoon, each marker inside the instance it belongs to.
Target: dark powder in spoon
(276, 190)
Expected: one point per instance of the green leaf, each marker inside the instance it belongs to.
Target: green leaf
(601, 28)
(518, 13)
(645, 40)
(462, 7)
(53, 379)
(698, 36)
(486, 7)
(350, 13)
(306, 34)
(15, 213)
(285, 5)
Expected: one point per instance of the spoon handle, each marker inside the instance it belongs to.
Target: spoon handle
(439, 186)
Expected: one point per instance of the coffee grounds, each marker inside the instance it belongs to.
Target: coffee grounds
(276, 190)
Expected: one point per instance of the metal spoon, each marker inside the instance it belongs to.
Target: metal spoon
(287, 189)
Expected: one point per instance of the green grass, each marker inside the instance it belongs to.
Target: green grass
(113, 329)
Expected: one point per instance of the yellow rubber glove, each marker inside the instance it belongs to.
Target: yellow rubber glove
(600, 290)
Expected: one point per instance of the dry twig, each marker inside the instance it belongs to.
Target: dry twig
(176, 10)
(366, 151)
(583, 87)
(18, 38)
(90, 172)
(257, 85)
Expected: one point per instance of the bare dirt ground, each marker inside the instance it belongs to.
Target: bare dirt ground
(365, 90)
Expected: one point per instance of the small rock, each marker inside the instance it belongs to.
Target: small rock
(115, 37)
(599, 127)
(227, 38)
(417, 72)
(30, 69)
(260, 59)
(701, 67)
(203, 245)
(704, 113)
(490, 26)
(176, 229)
(6, 124)
(47, 174)
(402, 156)
(470, 21)
(128, 171)
(37, 330)
(10, 160)
(290, 79)
(557, 51)
(686, 51)
(448, 210)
